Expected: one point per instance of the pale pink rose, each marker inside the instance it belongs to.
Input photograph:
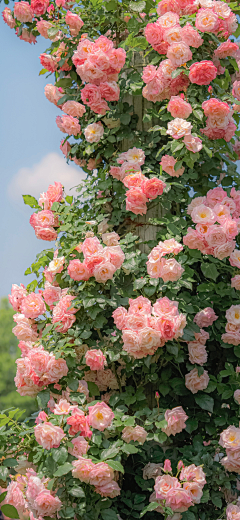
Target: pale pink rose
(48, 435)
(203, 215)
(172, 35)
(232, 462)
(179, 108)
(236, 396)
(39, 359)
(176, 419)
(39, 7)
(136, 201)
(74, 22)
(230, 438)
(232, 512)
(56, 369)
(215, 236)
(82, 469)
(164, 484)
(94, 132)
(136, 433)
(190, 36)
(116, 255)
(164, 306)
(165, 6)
(56, 265)
(119, 316)
(18, 293)
(25, 347)
(205, 317)
(46, 504)
(90, 246)
(33, 306)
(23, 330)
(197, 353)
(51, 294)
(235, 282)
(110, 489)
(100, 416)
(194, 491)
(233, 315)
(225, 250)
(193, 473)
(236, 90)
(203, 72)
(16, 498)
(154, 268)
(231, 338)
(74, 109)
(179, 53)
(95, 359)
(206, 20)
(110, 239)
(168, 20)
(23, 12)
(134, 155)
(165, 69)
(42, 417)
(80, 447)
(194, 382)
(48, 62)
(179, 500)
(153, 187)
(104, 271)
(215, 195)
(91, 262)
(43, 219)
(134, 180)
(194, 144)
(53, 94)
(170, 270)
(149, 73)
(178, 128)
(101, 474)
(78, 270)
(169, 246)
(46, 233)
(235, 258)
(150, 339)
(8, 18)
(68, 125)
(195, 202)
(201, 336)
(140, 305)
(168, 162)
(109, 90)
(153, 33)
(131, 343)
(62, 408)
(226, 49)
(42, 27)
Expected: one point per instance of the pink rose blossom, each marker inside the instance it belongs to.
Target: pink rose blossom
(194, 144)
(23, 12)
(197, 353)
(8, 18)
(236, 396)
(51, 294)
(190, 36)
(46, 504)
(236, 90)
(170, 270)
(18, 293)
(119, 316)
(74, 22)
(168, 20)
(53, 94)
(168, 162)
(100, 416)
(78, 270)
(226, 49)
(153, 187)
(153, 33)
(68, 125)
(79, 423)
(179, 128)
(80, 447)
(33, 305)
(137, 434)
(206, 20)
(49, 62)
(140, 305)
(235, 282)
(74, 109)
(39, 7)
(101, 474)
(136, 201)
(203, 72)
(176, 419)
(94, 132)
(110, 489)
(179, 500)
(62, 408)
(179, 53)
(104, 271)
(164, 484)
(205, 317)
(95, 359)
(194, 382)
(48, 435)
(179, 108)
(42, 27)
(165, 6)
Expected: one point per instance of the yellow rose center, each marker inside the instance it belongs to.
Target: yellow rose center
(99, 416)
(203, 215)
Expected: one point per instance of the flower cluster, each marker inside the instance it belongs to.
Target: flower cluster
(140, 188)
(100, 475)
(180, 492)
(30, 494)
(53, 194)
(50, 62)
(159, 82)
(197, 349)
(232, 328)
(217, 221)
(158, 266)
(100, 262)
(219, 124)
(37, 368)
(145, 329)
(230, 440)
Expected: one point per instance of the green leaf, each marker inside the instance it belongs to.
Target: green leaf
(43, 398)
(110, 453)
(139, 283)
(93, 389)
(176, 146)
(60, 455)
(205, 496)
(63, 470)
(150, 507)
(176, 73)
(109, 514)
(125, 119)
(129, 448)
(30, 201)
(53, 31)
(114, 464)
(69, 199)
(3, 473)
(77, 492)
(2, 496)
(188, 515)
(205, 402)
(209, 152)
(137, 6)
(191, 425)
(10, 511)
(210, 271)
(42, 71)
(198, 114)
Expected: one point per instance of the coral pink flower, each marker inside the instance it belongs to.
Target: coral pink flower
(78, 270)
(42, 27)
(137, 434)
(82, 469)
(79, 423)
(153, 187)
(153, 33)
(18, 293)
(168, 20)
(179, 53)
(165, 6)
(109, 90)
(176, 419)
(179, 108)
(149, 73)
(48, 435)
(202, 72)
(116, 255)
(226, 49)
(46, 504)
(33, 305)
(179, 128)
(194, 144)
(170, 270)
(23, 330)
(74, 109)
(194, 382)
(235, 282)
(110, 239)
(74, 22)
(94, 132)
(68, 125)
(51, 92)
(80, 447)
(193, 473)
(48, 62)
(164, 484)
(205, 317)
(230, 438)
(197, 353)
(39, 7)
(23, 12)
(110, 489)
(168, 162)
(136, 201)
(140, 305)
(190, 36)
(43, 219)
(7, 17)
(100, 416)
(95, 359)
(206, 20)
(203, 215)
(119, 316)
(236, 90)
(179, 500)
(101, 474)
(104, 271)
(235, 258)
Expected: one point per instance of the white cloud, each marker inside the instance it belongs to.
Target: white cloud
(35, 180)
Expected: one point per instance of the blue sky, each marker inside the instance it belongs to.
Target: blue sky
(30, 155)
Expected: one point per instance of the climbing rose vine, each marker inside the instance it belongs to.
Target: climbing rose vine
(130, 333)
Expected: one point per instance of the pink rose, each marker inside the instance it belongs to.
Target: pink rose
(42, 27)
(232, 461)
(46, 504)
(78, 270)
(190, 36)
(170, 270)
(74, 109)
(119, 316)
(82, 469)
(226, 49)
(168, 162)
(236, 90)
(206, 20)
(101, 474)
(203, 72)
(94, 132)
(39, 7)
(100, 416)
(179, 128)
(74, 22)
(68, 125)
(149, 73)
(23, 12)
(153, 187)
(33, 305)
(153, 33)
(23, 330)
(136, 201)
(235, 258)
(110, 239)
(110, 489)
(140, 305)
(104, 271)
(176, 419)
(179, 108)
(203, 215)
(109, 90)
(168, 20)
(235, 282)
(7, 17)
(197, 353)
(236, 396)
(116, 255)
(90, 246)
(165, 6)
(164, 484)
(179, 500)
(194, 382)
(80, 447)
(164, 306)
(18, 293)
(51, 294)
(136, 434)
(79, 423)
(230, 438)
(48, 62)
(194, 144)
(205, 317)
(179, 53)
(95, 359)
(48, 435)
